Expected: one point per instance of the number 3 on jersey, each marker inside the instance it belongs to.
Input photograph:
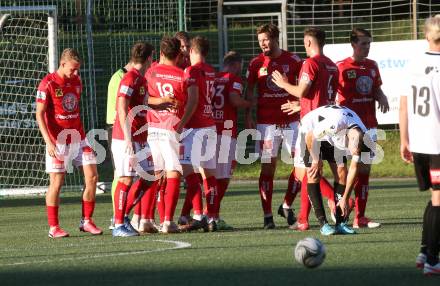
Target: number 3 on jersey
(219, 99)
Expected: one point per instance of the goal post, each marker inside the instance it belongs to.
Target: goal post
(28, 51)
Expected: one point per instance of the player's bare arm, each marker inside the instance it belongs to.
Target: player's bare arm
(190, 107)
(298, 91)
(239, 102)
(162, 103)
(249, 121)
(403, 126)
(314, 170)
(291, 107)
(382, 101)
(354, 146)
(124, 120)
(40, 113)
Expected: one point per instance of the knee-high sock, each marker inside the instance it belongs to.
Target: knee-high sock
(316, 200)
(222, 186)
(211, 195)
(361, 189)
(424, 242)
(326, 189)
(161, 201)
(148, 202)
(137, 190)
(171, 197)
(305, 203)
(293, 188)
(339, 192)
(120, 203)
(114, 184)
(52, 215)
(266, 190)
(433, 236)
(87, 209)
(193, 198)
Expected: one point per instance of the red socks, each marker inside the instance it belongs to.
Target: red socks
(211, 196)
(120, 202)
(326, 191)
(148, 202)
(266, 190)
(361, 187)
(137, 190)
(222, 186)
(52, 215)
(193, 196)
(293, 187)
(161, 201)
(87, 209)
(171, 197)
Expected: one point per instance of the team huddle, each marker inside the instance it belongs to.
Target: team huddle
(177, 118)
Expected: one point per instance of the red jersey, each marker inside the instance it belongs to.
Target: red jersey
(322, 74)
(270, 96)
(61, 97)
(203, 76)
(358, 83)
(133, 86)
(225, 84)
(165, 80)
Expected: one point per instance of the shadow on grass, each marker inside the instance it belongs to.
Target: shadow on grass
(172, 275)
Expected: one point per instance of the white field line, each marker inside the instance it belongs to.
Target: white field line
(177, 245)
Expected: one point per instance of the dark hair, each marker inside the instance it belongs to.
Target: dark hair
(140, 52)
(170, 47)
(358, 32)
(70, 54)
(200, 44)
(182, 35)
(270, 29)
(317, 34)
(232, 57)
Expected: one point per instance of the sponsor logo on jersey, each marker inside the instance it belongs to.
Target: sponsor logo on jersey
(41, 95)
(70, 102)
(364, 85)
(305, 77)
(271, 85)
(351, 74)
(237, 86)
(285, 68)
(373, 73)
(262, 71)
(142, 90)
(124, 89)
(58, 92)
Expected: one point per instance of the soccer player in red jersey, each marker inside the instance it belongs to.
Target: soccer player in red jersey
(274, 127)
(183, 60)
(317, 87)
(58, 111)
(129, 139)
(199, 135)
(359, 89)
(227, 99)
(166, 79)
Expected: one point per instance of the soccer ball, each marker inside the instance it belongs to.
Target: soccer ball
(310, 252)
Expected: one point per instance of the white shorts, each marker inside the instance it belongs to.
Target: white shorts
(199, 147)
(272, 135)
(165, 149)
(78, 155)
(225, 156)
(138, 164)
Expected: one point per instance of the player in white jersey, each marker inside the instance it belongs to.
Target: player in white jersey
(329, 132)
(420, 139)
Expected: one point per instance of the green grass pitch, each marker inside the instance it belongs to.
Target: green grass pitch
(247, 256)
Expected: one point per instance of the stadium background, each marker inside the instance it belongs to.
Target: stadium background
(104, 30)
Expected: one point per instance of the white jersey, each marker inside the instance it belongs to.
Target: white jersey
(330, 123)
(423, 99)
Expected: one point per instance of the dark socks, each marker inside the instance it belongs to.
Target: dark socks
(316, 201)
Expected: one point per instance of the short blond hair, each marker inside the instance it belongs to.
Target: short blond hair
(70, 54)
(432, 28)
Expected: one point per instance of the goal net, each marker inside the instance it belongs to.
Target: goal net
(28, 53)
